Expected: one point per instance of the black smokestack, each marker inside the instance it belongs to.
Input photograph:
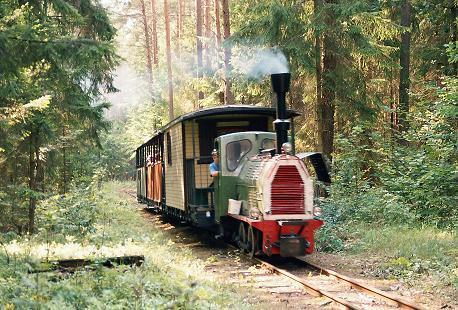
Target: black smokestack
(280, 86)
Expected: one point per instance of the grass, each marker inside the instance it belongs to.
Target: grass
(422, 242)
(409, 252)
(169, 278)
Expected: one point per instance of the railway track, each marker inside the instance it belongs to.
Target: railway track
(342, 290)
(299, 277)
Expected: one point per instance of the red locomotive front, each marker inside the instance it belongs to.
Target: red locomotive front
(277, 213)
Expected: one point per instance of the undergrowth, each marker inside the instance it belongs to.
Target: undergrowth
(105, 227)
(406, 251)
(396, 202)
(410, 252)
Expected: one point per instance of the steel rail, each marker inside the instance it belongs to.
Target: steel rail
(310, 288)
(390, 298)
(313, 290)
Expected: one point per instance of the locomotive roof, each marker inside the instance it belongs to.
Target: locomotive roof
(222, 110)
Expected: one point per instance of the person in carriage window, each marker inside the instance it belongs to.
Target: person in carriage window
(214, 166)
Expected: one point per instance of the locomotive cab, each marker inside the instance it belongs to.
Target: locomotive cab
(235, 150)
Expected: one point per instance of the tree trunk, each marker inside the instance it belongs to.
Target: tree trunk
(217, 26)
(208, 50)
(317, 7)
(169, 58)
(328, 87)
(182, 14)
(39, 172)
(64, 164)
(218, 44)
(454, 38)
(178, 29)
(393, 108)
(149, 67)
(404, 62)
(218, 38)
(228, 96)
(33, 171)
(154, 33)
(200, 94)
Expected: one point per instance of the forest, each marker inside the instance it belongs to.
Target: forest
(83, 83)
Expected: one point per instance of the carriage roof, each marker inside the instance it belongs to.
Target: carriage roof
(220, 110)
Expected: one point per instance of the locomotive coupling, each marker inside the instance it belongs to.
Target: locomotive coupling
(292, 245)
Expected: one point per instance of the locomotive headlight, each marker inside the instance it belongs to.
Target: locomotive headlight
(317, 211)
(287, 147)
(255, 214)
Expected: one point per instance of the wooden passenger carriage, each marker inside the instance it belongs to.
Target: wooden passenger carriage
(173, 166)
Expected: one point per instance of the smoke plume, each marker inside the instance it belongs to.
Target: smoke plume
(256, 63)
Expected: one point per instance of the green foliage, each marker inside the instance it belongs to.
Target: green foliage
(361, 36)
(117, 157)
(169, 278)
(394, 195)
(382, 182)
(71, 214)
(356, 192)
(14, 207)
(57, 57)
(435, 25)
(411, 269)
(424, 172)
(331, 237)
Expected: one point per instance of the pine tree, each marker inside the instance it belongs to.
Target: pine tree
(169, 58)
(404, 62)
(69, 65)
(228, 96)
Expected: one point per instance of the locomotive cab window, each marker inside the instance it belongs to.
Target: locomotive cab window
(235, 151)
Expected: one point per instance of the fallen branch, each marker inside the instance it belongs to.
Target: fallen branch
(70, 265)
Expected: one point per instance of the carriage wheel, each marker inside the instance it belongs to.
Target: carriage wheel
(252, 242)
(242, 237)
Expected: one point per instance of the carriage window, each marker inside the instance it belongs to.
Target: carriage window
(268, 144)
(169, 149)
(235, 151)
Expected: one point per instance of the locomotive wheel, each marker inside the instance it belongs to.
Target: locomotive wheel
(252, 242)
(242, 237)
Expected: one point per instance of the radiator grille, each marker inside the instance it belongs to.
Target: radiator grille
(287, 195)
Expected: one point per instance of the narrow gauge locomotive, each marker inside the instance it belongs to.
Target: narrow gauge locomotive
(263, 197)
